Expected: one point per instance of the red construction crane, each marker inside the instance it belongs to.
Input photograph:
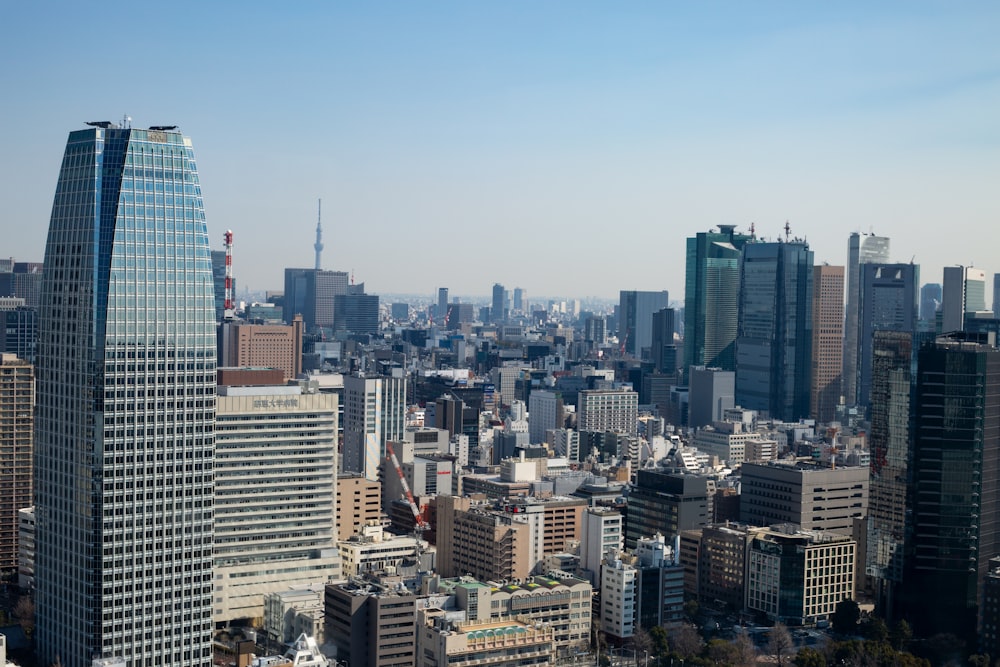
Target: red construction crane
(419, 523)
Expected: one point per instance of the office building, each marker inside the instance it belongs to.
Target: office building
(798, 577)
(374, 412)
(442, 304)
(125, 411)
(888, 303)
(711, 391)
(499, 307)
(827, 343)
(665, 503)
(956, 455)
(635, 320)
(359, 503)
(963, 291)
(219, 283)
(930, 300)
(711, 297)
(372, 622)
(23, 280)
(660, 586)
(618, 608)
(275, 474)
(861, 249)
(489, 545)
(602, 534)
(520, 300)
(356, 312)
(721, 565)
(17, 421)
(498, 643)
(804, 494)
(545, 412)
(889, 441)
(774, 341)
(26, 548)
(663, 349)
(399, 311)
(608, 410)
(310, 293)
(19, 332)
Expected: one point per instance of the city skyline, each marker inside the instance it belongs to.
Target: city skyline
(539, 127)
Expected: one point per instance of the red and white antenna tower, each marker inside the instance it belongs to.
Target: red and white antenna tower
(228, 308)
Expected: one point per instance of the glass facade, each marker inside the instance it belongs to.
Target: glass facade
(126, 406)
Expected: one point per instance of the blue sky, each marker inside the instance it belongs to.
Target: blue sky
(565, 147)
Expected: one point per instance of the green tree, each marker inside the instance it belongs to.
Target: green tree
(901, 635)
(809, 657)
(876, 630)
(846, 616)
(721, 652)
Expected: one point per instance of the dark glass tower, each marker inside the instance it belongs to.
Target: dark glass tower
(711, 298)
(126, 406)
(774, 345)
(955, 485)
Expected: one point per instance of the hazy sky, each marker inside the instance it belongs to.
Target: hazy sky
(565, 147)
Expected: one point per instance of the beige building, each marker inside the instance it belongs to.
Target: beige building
(827, 342)
(371, 551)
(17, 422)
(359, 503)
(475, 540)
(504, 643)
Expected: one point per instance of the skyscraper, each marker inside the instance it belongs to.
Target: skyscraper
(17, 402)
(442, 304)
(861, 249)
(774, 345)
(711, 298)
(828, 340)
(963, 291)
(930, 300)
(310, 293)
(956, 458)
(888, 303)
(635, 312)
(498, 309)
(125, 415)
(374, 412)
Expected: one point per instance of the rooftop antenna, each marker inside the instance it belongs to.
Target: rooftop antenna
(753, 231)
(126, 121)
(318, 246)
(788, 231)
(228, 308)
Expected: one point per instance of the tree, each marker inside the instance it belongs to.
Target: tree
(721, 652)
(24, 612)
(686, 641)
(745, 653)
(809, 657)
(779, 643)
(691, 609)
(901, 635)
(876, 630)
(659, 644)
(846, 616)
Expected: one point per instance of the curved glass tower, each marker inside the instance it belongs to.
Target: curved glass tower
(125, 406)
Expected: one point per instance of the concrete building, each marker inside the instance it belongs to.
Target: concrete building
(488, 545)
(17, 437)
(374, 412)
(660, 587)
(310, 293)
(798, 577)
(545, 412)
(504, 643)
(635, 319)
(359, 504)
(828, 342)
(275, 480)
(722, 565)
(608, 410)
(619, 595)
(602, 535)
(725, 440)
(665, 502)
(372, 551)
(295, 611)
(372, 622)
(963, 291)
(806, 495)
(557, 599)
(263, 346)
(711, 391)
(26, 549)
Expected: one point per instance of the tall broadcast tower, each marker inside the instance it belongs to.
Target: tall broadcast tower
(318, 246)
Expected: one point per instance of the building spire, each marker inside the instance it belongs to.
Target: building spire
(318, 246)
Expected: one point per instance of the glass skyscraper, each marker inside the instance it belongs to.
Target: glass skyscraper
(126, 406)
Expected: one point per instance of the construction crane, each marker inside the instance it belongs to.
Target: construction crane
(228, 308)
(419, 523)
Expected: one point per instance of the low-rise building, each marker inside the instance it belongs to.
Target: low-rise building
(504, 643)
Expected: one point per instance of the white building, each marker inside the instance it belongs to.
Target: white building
(608, 410)
(26, 548)
(602, 534)
(374, 412)
(373, 551)
(275, 500)
(618, 598)
(545, 412)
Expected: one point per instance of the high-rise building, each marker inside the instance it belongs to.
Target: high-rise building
(23, 280)
(275, 471)
(963, 291)
(635, 323)
(498, 309)
(828, 341)
(930, 300)
(356, 312)
(442, 304)
(608, 410)
(663, 349)
(520, 300)
(953, 497)
(665, 502)
(892, 354)
(546, 412)
(219, 283)
(888, 303)
(374, 412)
(125, 415)
(359, 501)
(711, 298)
(310, 293)
(861, 249)
(19, 331)
(774, 344)
(17, 404)
(263, 346)
(711, 391)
